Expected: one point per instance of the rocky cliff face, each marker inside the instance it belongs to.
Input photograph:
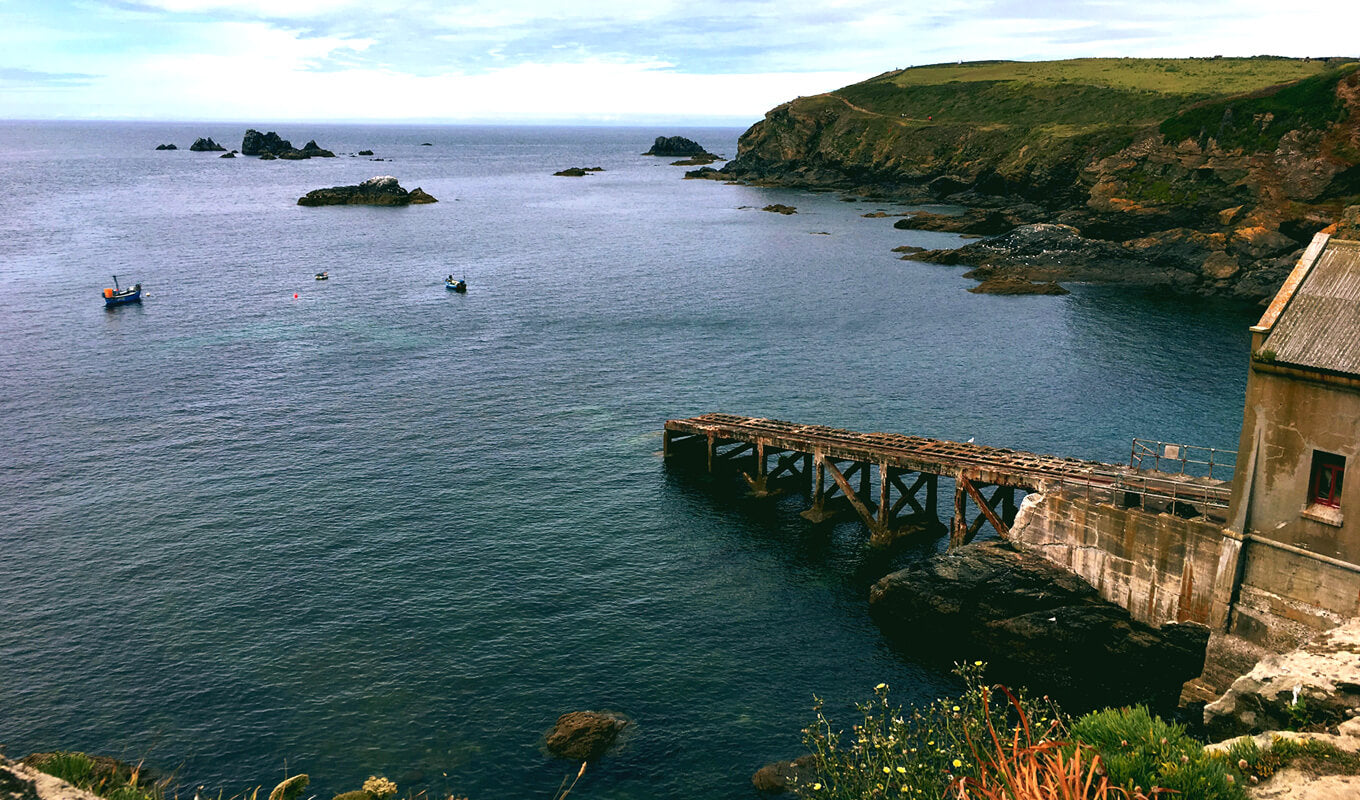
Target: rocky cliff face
(1221, 193)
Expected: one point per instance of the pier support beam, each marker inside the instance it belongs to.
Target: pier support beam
(818, 512)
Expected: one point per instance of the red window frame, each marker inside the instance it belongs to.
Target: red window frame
(1325, 481)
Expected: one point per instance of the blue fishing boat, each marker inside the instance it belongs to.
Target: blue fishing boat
(117, 296)
(458, 286)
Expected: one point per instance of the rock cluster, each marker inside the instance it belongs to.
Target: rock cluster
(1038, 625)
(779, 208)
(271, 144)
(207, 145)
(383, 190)
(166, 147)
(676, 146)
(584, 735)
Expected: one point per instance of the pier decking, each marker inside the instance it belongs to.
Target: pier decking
(906, 465)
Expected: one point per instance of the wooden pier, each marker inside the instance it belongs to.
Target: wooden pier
(907, 467)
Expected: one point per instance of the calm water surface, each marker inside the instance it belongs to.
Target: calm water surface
(385, 529)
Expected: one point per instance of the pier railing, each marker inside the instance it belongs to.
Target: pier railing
(1183, 459)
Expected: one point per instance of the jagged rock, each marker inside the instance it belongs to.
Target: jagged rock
(1324, 672)
(985, 221)
(313, 150)
(166, 147)
(365, 152)
(267, 157)
(420, 197)
(779, 208)
(20, 781)
(676, 146)
(378, 191)
(290, 789)
(255, 143)
(584, 735)
(781, 776)
(232, 154)
(1039, 626)
(207, 145)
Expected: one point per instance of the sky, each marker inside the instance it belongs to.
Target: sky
(585, 61)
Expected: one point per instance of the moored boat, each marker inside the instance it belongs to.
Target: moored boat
(323, 276)
(118, 296)
(458, 286)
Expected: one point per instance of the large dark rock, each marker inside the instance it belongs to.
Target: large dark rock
(207, 145)
(257, 144)
(1038, 625)
(782, 776)
(377, 191)
(584, 735)
(313, 150)
(166, 147)
(675, 146)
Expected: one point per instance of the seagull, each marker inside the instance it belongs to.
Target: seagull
(970, 440)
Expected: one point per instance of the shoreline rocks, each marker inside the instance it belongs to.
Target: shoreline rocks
(779, 208)
(272, 145)
(1037, 625)
(577, 172)
(382, 190)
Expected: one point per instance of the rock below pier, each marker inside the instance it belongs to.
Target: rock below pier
(378, 191)
(1039, 625)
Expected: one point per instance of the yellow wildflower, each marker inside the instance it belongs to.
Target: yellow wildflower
(957, 763)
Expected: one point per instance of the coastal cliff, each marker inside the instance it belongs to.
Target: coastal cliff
(1209, 174)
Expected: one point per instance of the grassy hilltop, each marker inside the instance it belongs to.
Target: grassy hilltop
(1118, 148)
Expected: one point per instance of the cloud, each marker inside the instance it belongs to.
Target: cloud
(18, 78)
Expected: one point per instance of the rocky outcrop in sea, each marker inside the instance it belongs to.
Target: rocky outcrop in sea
(166, 147)
(585, 735)
(676, 146)
(202, 145)
(383, 190)
(255, 143)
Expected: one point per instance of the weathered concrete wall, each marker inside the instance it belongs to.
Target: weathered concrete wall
(1287, 597)
(1157, 566)
(1289, 414)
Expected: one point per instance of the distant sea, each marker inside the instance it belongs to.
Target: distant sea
(382, 529)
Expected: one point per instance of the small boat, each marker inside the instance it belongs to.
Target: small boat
(458, 286)
(117, 296)
(323, 276)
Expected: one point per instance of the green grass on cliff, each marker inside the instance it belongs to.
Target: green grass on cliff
(1086, 93)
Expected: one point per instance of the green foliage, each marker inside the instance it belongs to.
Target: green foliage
(1257, 122)
(917, 752)
(1141, 751)
(356, 795)
(1319, 758)
(102, 777)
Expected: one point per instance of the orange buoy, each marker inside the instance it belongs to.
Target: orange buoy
(108, 293)
(294, 295)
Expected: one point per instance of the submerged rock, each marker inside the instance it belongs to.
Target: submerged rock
(781, 776)
(585, 735)
(365, 152)
(778, 208)
(696, 161)
(207, 145)
(1039, 625)
(577, 172)
(382, 190)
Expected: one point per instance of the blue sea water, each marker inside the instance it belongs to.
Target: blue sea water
(381, 528)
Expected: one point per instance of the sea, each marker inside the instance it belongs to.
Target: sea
(261, 524)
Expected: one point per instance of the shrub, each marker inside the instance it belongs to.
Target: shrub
(916, 753)
(1141, 751)
(100, 776)
(1319, 758)
(380, 787)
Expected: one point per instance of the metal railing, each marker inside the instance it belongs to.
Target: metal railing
(1183, 459)
(1175, 493)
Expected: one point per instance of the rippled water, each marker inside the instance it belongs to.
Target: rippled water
(385, 529)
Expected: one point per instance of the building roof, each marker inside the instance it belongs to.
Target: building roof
(1314, 321)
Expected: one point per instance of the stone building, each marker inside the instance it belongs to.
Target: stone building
(1290, 564)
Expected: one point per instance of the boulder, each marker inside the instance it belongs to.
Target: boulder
(20, 781)
(365, 152)
(676, 146)
(382, 190)
(267, 157)
(290, 789)
(207, 145)
(420, 197)
(778, 208)
(584, 735)
(232, 154)
(1039, 625)
(781, 776)
(1016, 286)
(1313, 685)
(166, 147)
(257, 144)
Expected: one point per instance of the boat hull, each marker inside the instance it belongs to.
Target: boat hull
(123, 298)
(457, 286)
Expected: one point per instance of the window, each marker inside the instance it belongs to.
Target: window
(1324, 487)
